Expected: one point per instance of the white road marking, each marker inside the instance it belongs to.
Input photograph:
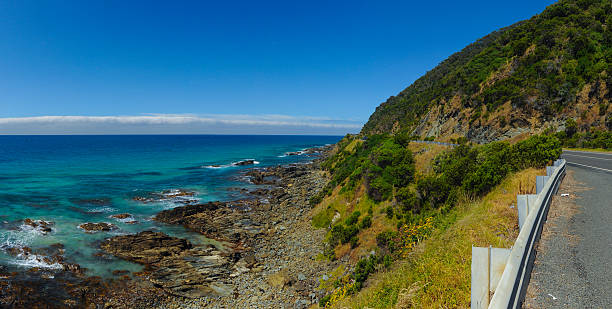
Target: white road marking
(590, 152)
(573, 155)
(597, 168)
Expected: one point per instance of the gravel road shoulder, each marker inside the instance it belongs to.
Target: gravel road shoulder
(572, 266)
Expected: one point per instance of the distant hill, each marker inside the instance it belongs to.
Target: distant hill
(524, 78)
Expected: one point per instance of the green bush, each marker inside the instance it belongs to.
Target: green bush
(590, 139)
(379, 189)
(434, 189)
(385, 241)
(389, 212)
(366, 222)
(342, 235)
(353, 218)
(536, 151)
(324, 300)
(364, 268)
(408, 199)
(382, 162)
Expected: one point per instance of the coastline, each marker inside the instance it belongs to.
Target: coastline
(268, 257)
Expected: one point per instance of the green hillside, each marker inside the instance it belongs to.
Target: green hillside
(401, 216)
(534, 74)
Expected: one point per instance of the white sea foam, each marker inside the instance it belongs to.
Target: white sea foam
(35, 231)
(12, 239)
(128, 219)
(233, 164)
(104, 209)
(21, 239)
(34, 260)
(218, 166)
(173, 192)
(294, 153)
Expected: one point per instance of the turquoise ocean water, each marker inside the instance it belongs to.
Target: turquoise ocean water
(70, 180)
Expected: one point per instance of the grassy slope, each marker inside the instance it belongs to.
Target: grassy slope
(344, 204)
(437, 273)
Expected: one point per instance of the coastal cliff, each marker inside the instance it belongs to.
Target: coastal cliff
(521, 79)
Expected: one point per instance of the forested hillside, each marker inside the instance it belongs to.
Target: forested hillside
(401, 216)
(522, 79)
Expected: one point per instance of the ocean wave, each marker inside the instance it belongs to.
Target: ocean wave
(214, 166)
(31, 260)
(39, 227)
(18, 238)
(169, 198)
(244, 162)
(303, 151)
(104, 209)
(16, 243)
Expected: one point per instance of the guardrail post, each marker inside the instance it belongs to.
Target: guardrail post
(550, 170)
(531, 202)
(540, 182)
(488, 265)
(522, 205)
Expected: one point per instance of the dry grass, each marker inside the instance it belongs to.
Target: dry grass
(424, 154)
(351, 147)
(437, 274)
(347, 203)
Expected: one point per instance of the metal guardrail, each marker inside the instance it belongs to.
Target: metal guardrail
(436, 143)
(512, 286)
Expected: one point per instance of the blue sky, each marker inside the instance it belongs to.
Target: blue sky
(290, 66)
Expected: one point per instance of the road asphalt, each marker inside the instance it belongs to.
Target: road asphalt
(594, 160)
(573, 265)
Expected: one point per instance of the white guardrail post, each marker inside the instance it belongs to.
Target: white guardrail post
(506, 272)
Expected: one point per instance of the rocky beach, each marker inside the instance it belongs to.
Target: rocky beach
(263, 252)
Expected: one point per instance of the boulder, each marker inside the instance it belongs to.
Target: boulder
(40, 225)
(121, 216)
(97, 227)
(245, 162)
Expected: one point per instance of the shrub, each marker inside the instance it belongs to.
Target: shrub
(408, 199)
(495, 165)
(386, 240)
(366, 222)
(341, 234)
(352, 219)
(381, 161)
(363, 269)
(378, 189)
(389, 212)
(536, 151)
(354, 241)
(317, 198)
(434, 189)
(324, 300)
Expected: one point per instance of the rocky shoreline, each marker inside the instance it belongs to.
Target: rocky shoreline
(265, 255)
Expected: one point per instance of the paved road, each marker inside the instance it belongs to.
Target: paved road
(593, 160)
(573, 266)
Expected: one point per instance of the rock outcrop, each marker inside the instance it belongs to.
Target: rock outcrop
(174, 264)
(97, 227)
